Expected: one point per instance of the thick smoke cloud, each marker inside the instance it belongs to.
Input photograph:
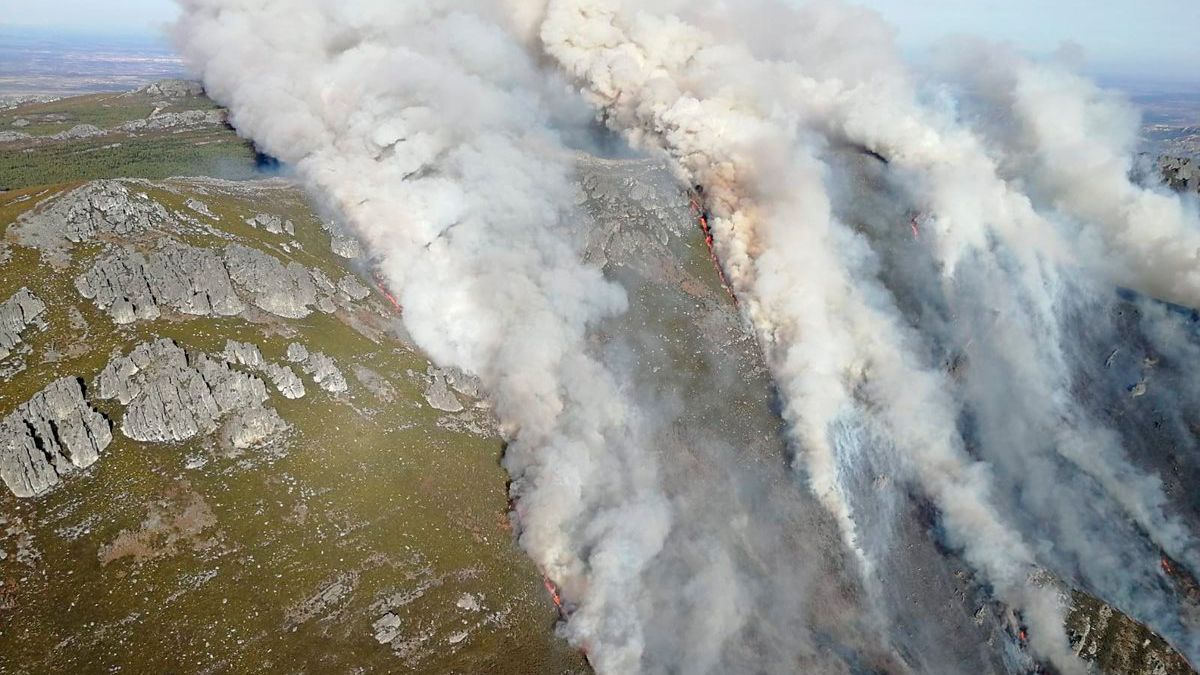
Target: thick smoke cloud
(1008, 232)
(923, 264)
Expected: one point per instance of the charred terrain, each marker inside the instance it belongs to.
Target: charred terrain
(223, 452)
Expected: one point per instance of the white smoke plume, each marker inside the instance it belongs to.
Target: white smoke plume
(422, 125)
(943, 361)
(745, 117)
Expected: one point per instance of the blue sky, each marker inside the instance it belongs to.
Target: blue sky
(1121, 38)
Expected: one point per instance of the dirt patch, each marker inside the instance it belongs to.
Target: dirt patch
(176, 521)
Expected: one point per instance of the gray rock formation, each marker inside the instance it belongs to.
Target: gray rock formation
(284, 290)
(344, 245)
(272, 223)
(132, 286)
(324, 372)
(103, 207)
(438, 394)
(173, 395)
(17, 313)
(173, 120)
(297, 353)
(13, 136)
(1181, 173)
(53, 434)
(352, 288)
(285, 380)
(201, 208)
(243, 354)
(173, 89)
(78, 132)
(253, 428)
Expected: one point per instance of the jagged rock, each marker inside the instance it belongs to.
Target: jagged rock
(290, 228)
(438, 394)
(253, 428)
(297, 353)
(201, 208)
(324, 372)
(77, 132)
(242, 353)
(284, 290)
(16, 314)
(20, 123)
(13, 136)
(352, 288)
(50, 436)
(173, 395)
(132, 286)
(171, 120)
(285, 380)
(173, 89)
(103, 207)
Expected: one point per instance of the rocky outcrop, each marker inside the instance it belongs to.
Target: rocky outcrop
(353, 289)
(13, 136)
(173, 395)
(272, 223)
(438, 394)
(173, 120)
(297, 353)
(17, 313)
(173, 89)
(324, 371)
(1181, 173)
(52, 435)
(243, 354)
(282, 377)
(78, 132)
(103, 207)
(344, 245)
(201, 208)
(132, 286)
(287, 290)
(253, 428)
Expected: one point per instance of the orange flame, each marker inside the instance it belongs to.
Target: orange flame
(1023, 636)
(1167, 568)
(554, 594)
(709, 241)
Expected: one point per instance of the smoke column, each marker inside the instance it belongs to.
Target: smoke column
(944, 359)
(422, 126)
(725, 105)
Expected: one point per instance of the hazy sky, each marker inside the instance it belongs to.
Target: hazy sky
(1120, 37)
